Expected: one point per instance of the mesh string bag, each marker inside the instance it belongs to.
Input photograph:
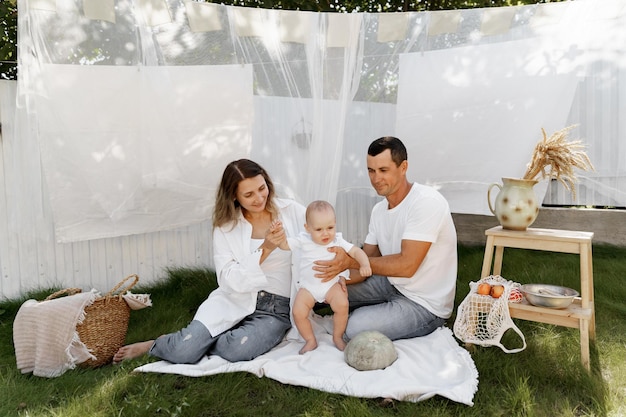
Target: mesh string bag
(482, 319)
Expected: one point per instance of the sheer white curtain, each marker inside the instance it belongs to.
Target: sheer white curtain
(138, 105)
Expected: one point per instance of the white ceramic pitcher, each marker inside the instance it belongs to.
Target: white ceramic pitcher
(516, 205)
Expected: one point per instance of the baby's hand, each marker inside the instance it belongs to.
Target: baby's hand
(276, 226)
(275, 236)
(365, 271)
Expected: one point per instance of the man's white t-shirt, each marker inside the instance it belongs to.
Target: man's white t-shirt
(423, 215)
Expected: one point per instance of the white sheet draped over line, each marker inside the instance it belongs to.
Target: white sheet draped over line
(138, 106)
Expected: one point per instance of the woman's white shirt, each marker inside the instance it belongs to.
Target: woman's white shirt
(277, 269)
(239, 275)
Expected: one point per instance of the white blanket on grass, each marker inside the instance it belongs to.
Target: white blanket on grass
(426, 366)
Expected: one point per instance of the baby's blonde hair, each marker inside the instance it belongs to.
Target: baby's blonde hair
(318, 206)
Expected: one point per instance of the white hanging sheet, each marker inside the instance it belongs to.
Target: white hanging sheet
(137, 106)
(131, 150)
(475, 114)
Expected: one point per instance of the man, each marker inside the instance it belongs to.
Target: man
(412, 247)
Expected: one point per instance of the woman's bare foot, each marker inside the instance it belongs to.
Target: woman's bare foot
(308, 346)
(340, 343)
(132, 351)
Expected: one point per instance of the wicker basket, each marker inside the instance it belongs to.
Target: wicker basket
(104, 328)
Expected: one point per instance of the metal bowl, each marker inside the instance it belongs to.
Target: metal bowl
(545, 295)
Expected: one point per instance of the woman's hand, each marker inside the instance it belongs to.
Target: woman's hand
(275, 237)
(327, 270)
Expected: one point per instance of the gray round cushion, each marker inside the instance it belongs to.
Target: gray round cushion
(370, 350)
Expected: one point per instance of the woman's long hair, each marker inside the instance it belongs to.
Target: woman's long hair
(226, 205)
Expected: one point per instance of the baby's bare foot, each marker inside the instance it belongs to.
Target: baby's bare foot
(132, 351)
(340, 343)
(308, 346)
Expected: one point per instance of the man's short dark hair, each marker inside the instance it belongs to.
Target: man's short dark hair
(395, 145)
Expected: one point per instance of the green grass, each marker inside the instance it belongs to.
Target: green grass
(546, 379)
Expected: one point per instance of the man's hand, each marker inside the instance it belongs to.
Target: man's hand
(327, 270)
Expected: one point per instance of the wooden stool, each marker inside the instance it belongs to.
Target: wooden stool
(581, 313)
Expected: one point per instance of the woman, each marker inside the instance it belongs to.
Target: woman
(248, 314)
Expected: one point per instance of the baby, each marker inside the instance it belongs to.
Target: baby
(321, 234)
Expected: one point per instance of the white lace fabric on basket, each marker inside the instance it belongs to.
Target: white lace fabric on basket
(137, 301)
(483, 320)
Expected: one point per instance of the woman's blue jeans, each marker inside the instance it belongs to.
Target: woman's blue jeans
(378, 305)
(251, 337)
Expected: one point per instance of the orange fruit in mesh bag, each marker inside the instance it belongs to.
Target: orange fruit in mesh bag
(483, 289)
(496, 290)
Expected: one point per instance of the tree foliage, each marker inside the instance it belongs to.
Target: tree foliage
(377, 6)
(8, 15)
(8, 39)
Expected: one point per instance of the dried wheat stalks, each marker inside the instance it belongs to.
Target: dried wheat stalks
(561, 156)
